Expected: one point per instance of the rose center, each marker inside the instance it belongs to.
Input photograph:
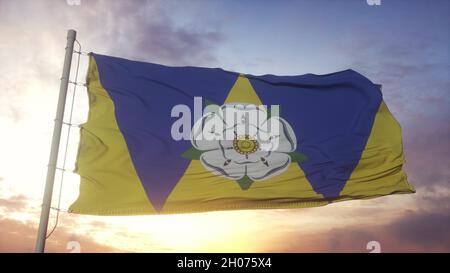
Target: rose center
(245, 145)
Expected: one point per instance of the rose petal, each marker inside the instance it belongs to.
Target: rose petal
(249, 114)
(217, 164)
(272, 165)
(230, 133)
(281, 136)
(207, 132)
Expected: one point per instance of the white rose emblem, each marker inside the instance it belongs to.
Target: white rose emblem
(238, 140)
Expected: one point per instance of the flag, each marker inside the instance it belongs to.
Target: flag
(162, 140)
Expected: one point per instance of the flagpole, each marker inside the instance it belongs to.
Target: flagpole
(47, 199)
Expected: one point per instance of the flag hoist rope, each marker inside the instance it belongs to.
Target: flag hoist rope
(59, 122)
(69, 127)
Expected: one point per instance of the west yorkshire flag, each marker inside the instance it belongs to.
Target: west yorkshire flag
(160, 140)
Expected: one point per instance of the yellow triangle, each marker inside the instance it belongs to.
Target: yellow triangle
(243, 92)
(109, 184)
(200, 190)
(379, 171)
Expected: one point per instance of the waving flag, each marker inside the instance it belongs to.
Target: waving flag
(162, 139)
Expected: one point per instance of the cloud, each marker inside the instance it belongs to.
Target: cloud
(19, 236)
(427, 230)
(422, 231)
(427, 149)
(139, 30)
(148, 33)
(414, 77)
(435, 198)
(14, 203)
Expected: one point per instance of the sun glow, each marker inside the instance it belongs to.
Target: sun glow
(236, 231)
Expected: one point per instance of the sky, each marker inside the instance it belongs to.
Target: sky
(402, 44)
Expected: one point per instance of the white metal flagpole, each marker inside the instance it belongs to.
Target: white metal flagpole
(47, 200)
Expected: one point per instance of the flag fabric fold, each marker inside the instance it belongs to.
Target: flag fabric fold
(157, 141)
